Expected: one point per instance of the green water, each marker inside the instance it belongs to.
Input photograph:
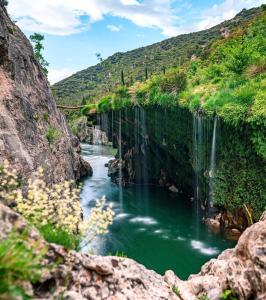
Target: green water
(158, 229)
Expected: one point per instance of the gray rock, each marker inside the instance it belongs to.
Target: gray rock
(241, 269)
(28, 113)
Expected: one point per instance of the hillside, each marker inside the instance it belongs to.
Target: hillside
(98, 80)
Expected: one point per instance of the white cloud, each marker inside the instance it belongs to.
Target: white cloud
(224, 11)
(114, 27)
(61, 17)
(65, 17)
(55, 75)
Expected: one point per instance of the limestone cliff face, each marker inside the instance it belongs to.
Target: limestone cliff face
(32, 130)
(241, 269)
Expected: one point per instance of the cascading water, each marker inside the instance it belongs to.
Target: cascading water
(99, 137)
(212, 161)
(143, 146)
(120, 159)
(197, 156)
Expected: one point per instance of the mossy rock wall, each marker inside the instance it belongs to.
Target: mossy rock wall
(173, 147)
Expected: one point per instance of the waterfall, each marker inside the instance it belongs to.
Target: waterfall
(99, 137)
(212, 161)
(143, 146)
(120, 159)
(197, 154)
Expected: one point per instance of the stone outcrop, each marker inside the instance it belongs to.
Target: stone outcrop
(32, 131)
(241, 270)
(80, 276)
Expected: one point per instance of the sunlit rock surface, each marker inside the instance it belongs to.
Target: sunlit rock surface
(33, 132)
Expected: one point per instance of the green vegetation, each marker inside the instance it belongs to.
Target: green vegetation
(99, 80)
(37, 40)
(228, 81)
(228, 295)
(118, 254)
(19, 263)
(52, 135)
(176, 290)
(204, 297)
(4, 2)
(60, 236)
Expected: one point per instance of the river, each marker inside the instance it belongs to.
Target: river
(155, 227)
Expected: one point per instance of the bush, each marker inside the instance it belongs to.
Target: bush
(216, 101)
(195, 102)
(105, 104)
(52, 135)
(173, 82)
(18, 263)
(59, 206)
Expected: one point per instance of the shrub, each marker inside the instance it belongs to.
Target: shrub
(52, 135)
(195, 102)
(244, 94)
(59, 206)
(173, 82)
(216, 101)
(176, 290)
(228, 295)
(18, 263)
(121, 98)
(9, 184)
(105, 104)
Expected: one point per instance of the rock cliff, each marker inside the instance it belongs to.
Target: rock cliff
(80, 276)
(32, 130)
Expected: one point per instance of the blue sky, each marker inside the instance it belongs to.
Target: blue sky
(75, 30)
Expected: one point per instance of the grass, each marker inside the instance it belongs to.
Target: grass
(118, 254)
(59, 236)
(176, 290)
(228, 295)
(18, 263)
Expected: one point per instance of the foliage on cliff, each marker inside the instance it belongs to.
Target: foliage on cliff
(91, 83)
(230, 82)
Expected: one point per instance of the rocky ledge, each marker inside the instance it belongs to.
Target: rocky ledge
(33, 132)
(77, 276)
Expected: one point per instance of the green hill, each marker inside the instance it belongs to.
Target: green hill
(95, 81)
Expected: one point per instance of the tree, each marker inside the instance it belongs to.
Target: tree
(146, 73)
(122, 78)
(99, 57)
(37, 40)
(4, 2)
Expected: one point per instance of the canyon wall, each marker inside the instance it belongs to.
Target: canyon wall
(201, 156)
(33, 132)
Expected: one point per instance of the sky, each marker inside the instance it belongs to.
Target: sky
(75, 30)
